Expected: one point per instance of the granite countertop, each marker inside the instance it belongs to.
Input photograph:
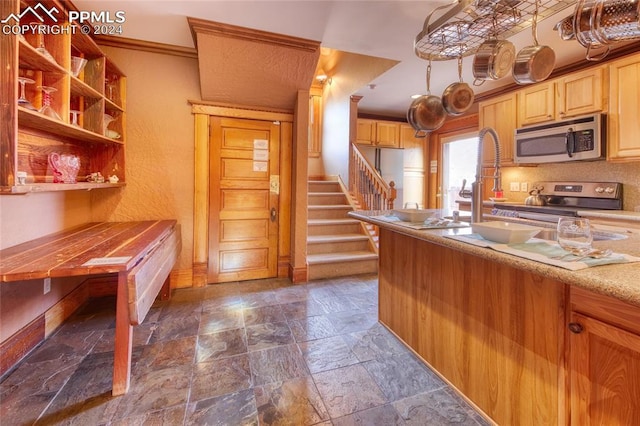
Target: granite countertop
(616, 280)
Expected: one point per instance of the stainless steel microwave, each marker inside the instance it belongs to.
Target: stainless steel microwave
(576, 139)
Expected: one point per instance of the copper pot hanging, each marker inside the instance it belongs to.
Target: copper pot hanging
(458, 97)
(426, 112)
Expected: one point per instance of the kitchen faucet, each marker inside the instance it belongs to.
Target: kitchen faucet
(476, 187)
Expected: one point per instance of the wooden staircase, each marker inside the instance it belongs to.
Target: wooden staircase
(337, 245)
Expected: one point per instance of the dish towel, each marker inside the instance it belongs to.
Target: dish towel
(543, 251)
(431, 223)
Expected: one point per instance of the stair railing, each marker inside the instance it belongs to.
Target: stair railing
(368, 187)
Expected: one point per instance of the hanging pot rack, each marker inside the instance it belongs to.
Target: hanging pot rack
(466, 24)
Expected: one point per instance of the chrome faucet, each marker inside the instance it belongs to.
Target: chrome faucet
(476, 187)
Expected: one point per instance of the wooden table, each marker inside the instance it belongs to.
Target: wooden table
(142, 254)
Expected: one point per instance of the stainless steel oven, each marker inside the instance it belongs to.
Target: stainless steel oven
(565, 199)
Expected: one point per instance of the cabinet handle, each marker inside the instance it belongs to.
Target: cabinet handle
(575, 327)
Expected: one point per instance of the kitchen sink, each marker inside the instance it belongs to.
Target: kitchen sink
(551, 234)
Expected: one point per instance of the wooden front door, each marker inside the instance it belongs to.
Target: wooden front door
(244, 188)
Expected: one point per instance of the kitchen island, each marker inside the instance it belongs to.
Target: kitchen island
(497, 327)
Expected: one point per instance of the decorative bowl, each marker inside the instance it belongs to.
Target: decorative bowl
(112, 134)
(504, 232)
(413, 215)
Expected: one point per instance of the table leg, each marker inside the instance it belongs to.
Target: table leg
(123, 341)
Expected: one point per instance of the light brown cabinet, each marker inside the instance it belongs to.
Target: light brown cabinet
(366, 132)
(536, 104)
(604, 360)
(499, 114)
(381, 134)
(581, 93)
(576, 94)
(624, 113)
(96, 95)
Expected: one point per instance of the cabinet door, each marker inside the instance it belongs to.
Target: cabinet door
(536, 104)
(366, 133)
(624, 125)
(500, 114)
(604, 369)
(387, 134)
(581, 93)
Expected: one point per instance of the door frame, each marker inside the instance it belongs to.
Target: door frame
(202, 113)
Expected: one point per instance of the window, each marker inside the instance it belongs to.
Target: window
(459, 158)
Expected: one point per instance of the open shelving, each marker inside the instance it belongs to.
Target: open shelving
(28, 137)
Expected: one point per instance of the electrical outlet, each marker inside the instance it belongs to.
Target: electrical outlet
(524, 187)
(514, 187)
(47, 285)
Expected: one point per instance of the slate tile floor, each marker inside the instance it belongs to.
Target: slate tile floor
(252, 353)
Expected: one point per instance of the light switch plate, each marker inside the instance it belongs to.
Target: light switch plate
(524, 187)
(514, 187)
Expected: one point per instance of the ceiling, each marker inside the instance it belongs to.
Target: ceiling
(378, 28)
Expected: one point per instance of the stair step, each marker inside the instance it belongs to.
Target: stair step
(329, 207)
(332, 243)
(331, 238)
(329, 222)
(332, 211)
(327, 198)
(323, 186)
(347, 256)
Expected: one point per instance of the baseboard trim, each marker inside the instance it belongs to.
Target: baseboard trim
(20, 344)
(181, 278)
(298, 275)
(199, 274)
(58, 313)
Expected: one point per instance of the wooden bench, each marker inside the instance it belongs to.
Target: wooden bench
(142, 255)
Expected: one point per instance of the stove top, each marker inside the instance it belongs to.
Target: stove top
(566, 199)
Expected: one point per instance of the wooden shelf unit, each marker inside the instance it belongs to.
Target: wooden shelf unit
(29, 137)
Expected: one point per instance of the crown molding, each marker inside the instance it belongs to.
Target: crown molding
(146, 46)
(201, 26)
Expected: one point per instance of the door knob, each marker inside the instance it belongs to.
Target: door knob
(575, 327)
(273, 214)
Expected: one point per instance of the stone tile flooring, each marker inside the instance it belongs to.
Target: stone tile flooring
(261, 352)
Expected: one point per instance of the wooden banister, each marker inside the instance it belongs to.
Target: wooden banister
(368, 187)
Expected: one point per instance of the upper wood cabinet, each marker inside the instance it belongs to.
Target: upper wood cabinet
(366, 133)
(388, 134)
(382, 134)
(536, 104)
(576, 94)
(624, 112)
(604, 360)
(89, 120)
(499, 114)
(581, 93)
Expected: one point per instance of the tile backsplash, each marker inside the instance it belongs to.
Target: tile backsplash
(588, 171)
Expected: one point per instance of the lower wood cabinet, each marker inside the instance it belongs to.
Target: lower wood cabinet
(493, 331)
(604, 360)
(524, 348)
